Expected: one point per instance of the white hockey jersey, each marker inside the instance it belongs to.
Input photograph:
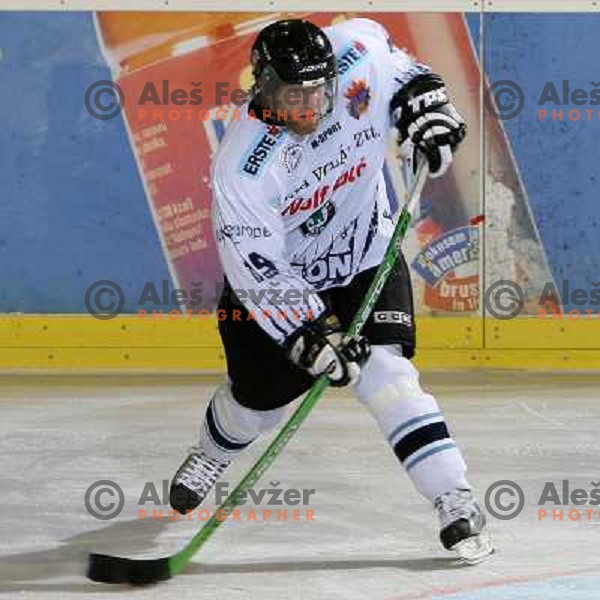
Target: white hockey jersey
(293, 215)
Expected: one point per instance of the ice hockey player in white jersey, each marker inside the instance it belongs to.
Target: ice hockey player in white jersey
(302, 220)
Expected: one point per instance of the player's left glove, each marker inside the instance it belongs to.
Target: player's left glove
(428, 122)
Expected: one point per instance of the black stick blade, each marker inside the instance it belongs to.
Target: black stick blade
(115, 569)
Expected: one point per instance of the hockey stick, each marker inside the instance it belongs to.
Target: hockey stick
(115, 569)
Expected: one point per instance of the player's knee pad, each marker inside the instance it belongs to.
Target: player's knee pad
(386, 367)
(389, 379)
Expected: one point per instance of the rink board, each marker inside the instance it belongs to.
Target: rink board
(65, 342)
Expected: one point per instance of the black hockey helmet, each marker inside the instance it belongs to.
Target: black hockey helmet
(295, 52)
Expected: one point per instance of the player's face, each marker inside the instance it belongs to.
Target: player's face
(304, 106)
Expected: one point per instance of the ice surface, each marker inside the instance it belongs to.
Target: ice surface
(373, 536)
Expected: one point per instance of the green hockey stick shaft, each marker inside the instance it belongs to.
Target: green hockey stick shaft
(179, 561)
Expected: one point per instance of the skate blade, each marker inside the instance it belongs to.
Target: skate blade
(475, 549)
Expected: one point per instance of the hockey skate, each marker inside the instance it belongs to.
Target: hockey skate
(463, 526)
(194, 479)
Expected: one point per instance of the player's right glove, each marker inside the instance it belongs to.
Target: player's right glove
(321, 349)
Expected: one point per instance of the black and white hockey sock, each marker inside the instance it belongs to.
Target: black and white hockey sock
(412, 423)
(229, 428)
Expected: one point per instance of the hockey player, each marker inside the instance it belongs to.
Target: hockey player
(302, 221)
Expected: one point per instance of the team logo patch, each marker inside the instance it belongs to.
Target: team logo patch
(317, 222)
(291, 156)
(358, 95)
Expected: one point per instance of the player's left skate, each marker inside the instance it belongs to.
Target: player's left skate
(462, 525)
(194, 479)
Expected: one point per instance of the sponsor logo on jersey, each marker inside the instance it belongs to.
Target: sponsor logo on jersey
(322, 137)
(236, 232)
(317, 222)
(303, 186)
(321, 171)
(261, 152)
(392, 316)
(319, 196)
(335, 265)
(410, 73)
(291, 156)
(358, 95)
(370, 134)
(332, 268)
(351, 56)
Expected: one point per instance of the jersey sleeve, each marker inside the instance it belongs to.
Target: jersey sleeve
(404, 67)
(250, 239)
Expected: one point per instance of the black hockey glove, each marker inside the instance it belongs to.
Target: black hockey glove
(427, 122)
(321, 349)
